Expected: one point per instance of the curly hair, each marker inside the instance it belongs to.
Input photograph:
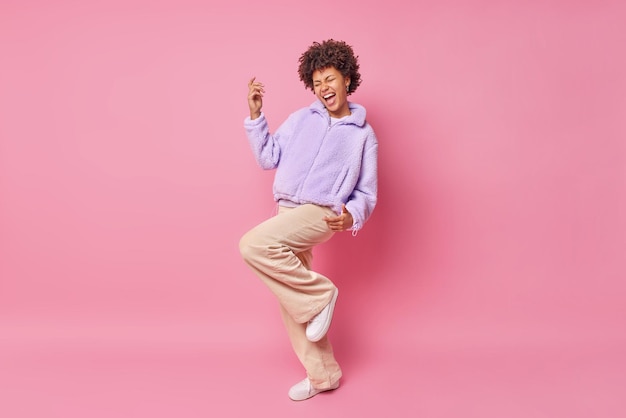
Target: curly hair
(330, 53)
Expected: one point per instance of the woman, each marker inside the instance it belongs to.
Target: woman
(325, 156)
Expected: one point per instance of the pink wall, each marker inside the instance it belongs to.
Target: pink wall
(126, 179)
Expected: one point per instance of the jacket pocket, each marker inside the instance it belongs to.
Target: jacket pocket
(341, 178)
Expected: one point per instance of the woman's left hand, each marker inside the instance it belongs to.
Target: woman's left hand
(341, 222)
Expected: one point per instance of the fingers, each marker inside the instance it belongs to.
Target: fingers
(335, 219)
(253, 83)
(340, 222)
(336, 226)
(255, 97)
(335, 223)
(254, 94)
(255, 87)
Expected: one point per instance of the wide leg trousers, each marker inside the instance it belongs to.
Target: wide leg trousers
(280, 252)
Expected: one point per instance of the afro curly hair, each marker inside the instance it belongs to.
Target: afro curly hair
(330, 53)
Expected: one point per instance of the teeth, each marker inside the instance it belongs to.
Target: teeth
(328, 95)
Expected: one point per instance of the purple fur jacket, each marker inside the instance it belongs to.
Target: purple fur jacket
(319, 163)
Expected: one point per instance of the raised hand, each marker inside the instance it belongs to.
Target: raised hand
(255, 97)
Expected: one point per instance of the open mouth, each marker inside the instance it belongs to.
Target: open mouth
(329, 98)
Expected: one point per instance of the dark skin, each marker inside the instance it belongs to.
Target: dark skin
(256, 89)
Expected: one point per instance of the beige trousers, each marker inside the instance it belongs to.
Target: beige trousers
(280, 252)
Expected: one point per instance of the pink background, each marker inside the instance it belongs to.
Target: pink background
(488, 283)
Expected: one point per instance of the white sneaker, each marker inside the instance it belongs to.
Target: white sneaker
(319, 324)
(304, 390)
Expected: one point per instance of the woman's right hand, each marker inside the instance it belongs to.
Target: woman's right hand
(255, 98)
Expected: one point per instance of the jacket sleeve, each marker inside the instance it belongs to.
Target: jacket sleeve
(364, 196)
(265, 146)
